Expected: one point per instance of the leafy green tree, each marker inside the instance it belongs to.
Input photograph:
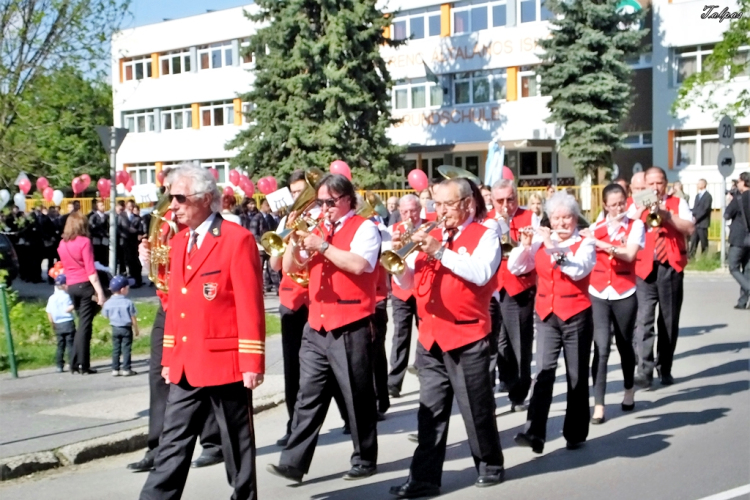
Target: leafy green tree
(709, 89)
(585, 73)
(320, 91)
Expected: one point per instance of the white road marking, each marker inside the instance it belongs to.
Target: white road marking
(727, 495)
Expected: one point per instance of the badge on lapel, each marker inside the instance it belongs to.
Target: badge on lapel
(209, 290)
(462, 251)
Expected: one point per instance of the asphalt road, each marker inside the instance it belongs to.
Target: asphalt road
(688, 441)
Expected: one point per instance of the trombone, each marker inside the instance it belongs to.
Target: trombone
(394, 261)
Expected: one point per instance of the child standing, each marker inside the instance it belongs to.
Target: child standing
(121, 313)
(60, 314)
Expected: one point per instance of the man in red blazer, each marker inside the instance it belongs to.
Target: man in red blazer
(214, 338)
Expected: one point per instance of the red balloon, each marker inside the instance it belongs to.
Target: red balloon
(104, 186)
(265, 186)
(214, 172)
(86, 180)
(42, 183)
(24, 185)
(122, 177)
(507, 173)
(418, 180)
(77, 185)
(228, 191)
(244, 178)
(340, 167)
(48, 193)
(234, 177)
(129, 185)
(160, 177)
(274, 184)
(247, 187)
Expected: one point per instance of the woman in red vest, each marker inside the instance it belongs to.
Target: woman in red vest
(613, 301)
(563, 261)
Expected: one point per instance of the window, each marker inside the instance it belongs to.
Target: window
(217, 114)
(534, 10)
(221, 165)
(480, 86)
(416, 24)
(478, 15)
(215, 55)
(246, 55)
(534, 163)
(528, 160)
(529, 82)
(690, 60)
(177, 118)
(174, 63)
(639, 62)
(701, 147)
(499, 17)
(416, 93)
(142, 173)
(470, 163)
(137, 68)
(546, 162)
(637, 140)
(138, 122)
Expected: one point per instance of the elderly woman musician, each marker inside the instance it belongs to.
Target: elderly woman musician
(613, 302)
(563, 261)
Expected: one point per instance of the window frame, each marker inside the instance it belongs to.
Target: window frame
(540, 174)
(135, 115)
(225, 49)
(220, 164)
(539, 10)
(184, 57)
(187, 112)
(493, 74)
(524, 71)
(407, 16)
(742, 135)
(135, 171)
(212, 107)
(643, 140)
(408, 85)
(147, 70)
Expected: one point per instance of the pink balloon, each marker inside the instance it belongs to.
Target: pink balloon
(214, 172)
(25, 186)
(340, 167)
(160, 177)
(234, 177)
(77, 186)
(418, 180)
(48, 193)
(247, 187)
(122, 177)
(129, 185)
(104, 186)
(228, 191)
(264, 186)
(42, 183)
(507, 173)
(272, 184)
(86, 180)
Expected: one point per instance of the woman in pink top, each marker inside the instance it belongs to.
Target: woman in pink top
(77, 256)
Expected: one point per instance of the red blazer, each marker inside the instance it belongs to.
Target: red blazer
(612, 271)
(215, 329)
(676, 248)
(556, 292)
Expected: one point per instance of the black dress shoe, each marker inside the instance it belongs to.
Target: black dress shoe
(415, 489)
(283, 441)
(598, 421)
(642, 381)
(626, 407)
(518, 407)
(490, 479)
(394, 392)
(346, 430)
(667, 379)
(206, 460)
(570, 445)
(88, 371)
(536, 444)
(145, 465)
(381, 416)
(360, 472)
(285, 471)
(413, 437)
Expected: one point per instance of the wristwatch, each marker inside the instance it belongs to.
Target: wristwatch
(323, 247)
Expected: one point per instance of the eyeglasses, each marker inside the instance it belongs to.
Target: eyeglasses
(329, 202)
(505, 200)
(448, 204)
(182, 198)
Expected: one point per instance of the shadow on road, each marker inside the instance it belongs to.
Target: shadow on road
(689, 331)
(714, 349)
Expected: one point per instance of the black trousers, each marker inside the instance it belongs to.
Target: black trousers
(663, 287)
(122, 267)
(700, 234)
(404, 312)
(340, 358)
(379, 358)
(158, 393)
(64, 332)
(739, 267)
(573, 337)
(618, 317)
(135, 269)
(82, 294)
(270, 277)
(122, 343)
(101, 254)
(516, 340)
(497, 344)
(187, 410)
(292, 325)
(465, 373)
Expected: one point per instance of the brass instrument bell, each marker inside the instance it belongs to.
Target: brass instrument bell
(653, 219)
(451, 172)
(371, 206)
(160, 231)
(394, 261)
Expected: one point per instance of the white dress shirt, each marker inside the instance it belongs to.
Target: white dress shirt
(637, 236)
(201, 230)
(577, 265)
(477, 267)
(230, 217)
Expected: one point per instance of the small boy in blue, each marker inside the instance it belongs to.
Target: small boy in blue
(121, 313)
(60, 314)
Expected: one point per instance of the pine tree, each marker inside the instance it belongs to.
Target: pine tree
(585, 73)
(321, 91)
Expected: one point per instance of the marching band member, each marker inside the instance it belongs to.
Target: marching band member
(563, 261)
(336, 346)
(451, 278)
(659, 269)
(613, 302)
(215, 276)
(380, 330)
(516, 302)
(403, 302)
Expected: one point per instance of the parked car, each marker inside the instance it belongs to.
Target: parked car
(8, 259)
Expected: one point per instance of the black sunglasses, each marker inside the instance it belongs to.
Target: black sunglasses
(182, 198)
(330, 202)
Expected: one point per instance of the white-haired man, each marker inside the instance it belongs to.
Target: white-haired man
(214, 338)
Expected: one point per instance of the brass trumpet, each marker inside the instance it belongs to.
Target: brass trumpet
(160, 231)
(507, 244)
(653, 219)
(275, 243)
(394, 261)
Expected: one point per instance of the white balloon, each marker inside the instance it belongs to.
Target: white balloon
(4, 197)
(57, 197)
(20, 201)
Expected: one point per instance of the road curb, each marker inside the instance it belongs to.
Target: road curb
(94, 449)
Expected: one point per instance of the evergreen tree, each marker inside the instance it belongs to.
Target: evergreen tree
(321, 91)
(585, 73)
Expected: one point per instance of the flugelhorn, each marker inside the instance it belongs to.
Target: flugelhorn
(160, 231)
(394, 261)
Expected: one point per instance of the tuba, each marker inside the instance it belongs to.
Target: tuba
(160, 231)
(394, 261)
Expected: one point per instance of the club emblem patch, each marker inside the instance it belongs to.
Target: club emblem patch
(209, 290)
(462, 251)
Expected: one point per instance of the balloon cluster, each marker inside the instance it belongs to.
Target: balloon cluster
(241, 181)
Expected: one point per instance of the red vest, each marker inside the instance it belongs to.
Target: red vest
(676, 248)
(339, 298)
(396, 290)
(381, 286)
(515, 284)
(451, 311)
(556, 292)
(291, 294)
(612, 271)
